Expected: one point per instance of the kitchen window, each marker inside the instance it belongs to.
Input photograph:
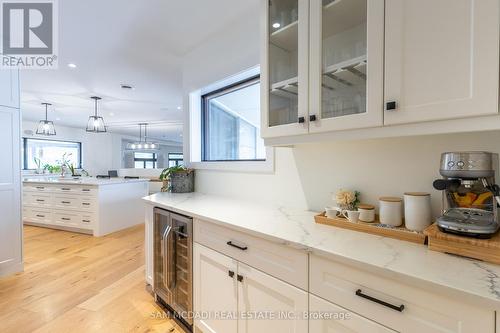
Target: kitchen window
(175, 159)
(230, 123)
(50, 152)
(145, 160)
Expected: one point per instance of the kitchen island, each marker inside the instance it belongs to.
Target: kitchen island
(87, 205)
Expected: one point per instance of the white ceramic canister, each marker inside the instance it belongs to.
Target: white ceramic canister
(391, 211)
(418, 214)
(366, 213)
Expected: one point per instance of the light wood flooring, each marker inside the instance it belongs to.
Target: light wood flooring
(79, 283)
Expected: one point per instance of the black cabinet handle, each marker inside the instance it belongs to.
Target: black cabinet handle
(312, 117)
(40, 216)
(231, 274)
(65, 189)
(242, 248)
(40, 187)
(392, 105)
(40, 200)
(86, 204)
(399, 308)
(65, 219)
(65, 202)
(302, 120)
(86, 221)
(239, 278)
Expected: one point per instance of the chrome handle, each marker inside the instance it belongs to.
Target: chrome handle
(164, 252)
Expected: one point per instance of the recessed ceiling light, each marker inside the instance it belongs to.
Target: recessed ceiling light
(276, 25)
(71, 65)
(179, 107)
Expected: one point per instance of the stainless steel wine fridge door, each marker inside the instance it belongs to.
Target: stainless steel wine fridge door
(173, 269)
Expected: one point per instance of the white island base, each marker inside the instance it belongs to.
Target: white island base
(91, 206)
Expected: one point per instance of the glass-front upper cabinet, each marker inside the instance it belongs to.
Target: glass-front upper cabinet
(346, 64)
(284, 67)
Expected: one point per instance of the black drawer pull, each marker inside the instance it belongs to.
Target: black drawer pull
(86, 204)
(85, 190)
(65, 189)
(40, 200)
(40, 188)
(302, 120)
(40, 215)
(65, 202)
(239, 278)
(376, 300)
(65, 219)
(244, 248)
(390, 106)
(231, 274)
(86, 221)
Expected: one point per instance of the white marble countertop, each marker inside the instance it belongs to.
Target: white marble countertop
(410, 263)
(82, 181)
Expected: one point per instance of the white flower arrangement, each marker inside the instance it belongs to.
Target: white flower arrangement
(347, 199)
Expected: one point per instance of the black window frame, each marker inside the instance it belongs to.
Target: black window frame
(177, 160)
(145, 160)
(25, 150)
(204, 116)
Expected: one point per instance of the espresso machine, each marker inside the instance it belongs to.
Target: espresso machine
(470, 195)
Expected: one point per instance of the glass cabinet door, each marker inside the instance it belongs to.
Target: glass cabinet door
(346, 54)
(286, 59)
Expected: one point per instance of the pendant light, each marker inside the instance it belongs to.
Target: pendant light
(46, 127)
(96, 123)
(143, 145)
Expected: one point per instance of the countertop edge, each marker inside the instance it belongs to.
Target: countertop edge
(386, 272)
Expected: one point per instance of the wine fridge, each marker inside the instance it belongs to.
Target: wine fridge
(173, 269)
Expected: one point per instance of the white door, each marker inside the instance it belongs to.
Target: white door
(346, 64)
(284, 67)
(9, 82)
(10, 178)
(215, 291)
(339, 320)
(270, 305)
(441, 59)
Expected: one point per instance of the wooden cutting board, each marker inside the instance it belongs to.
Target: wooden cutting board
(482, 249)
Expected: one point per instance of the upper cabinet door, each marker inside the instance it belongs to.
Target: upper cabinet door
(9, 87)
(346, 64)
(441, 59)
(284, 67)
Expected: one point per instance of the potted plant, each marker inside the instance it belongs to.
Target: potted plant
(177, 179)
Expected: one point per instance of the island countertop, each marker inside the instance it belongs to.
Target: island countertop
(91, 181)
(410, 263)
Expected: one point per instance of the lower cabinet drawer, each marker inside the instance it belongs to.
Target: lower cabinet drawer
(67, 218)
(67, 202)
(37, 199)
(399, 306)
(37, 215)
(326, 317)
(280, 261)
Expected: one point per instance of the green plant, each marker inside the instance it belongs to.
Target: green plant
(165, 174)
(52, 168)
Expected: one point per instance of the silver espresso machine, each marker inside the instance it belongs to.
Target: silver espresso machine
(470, 194)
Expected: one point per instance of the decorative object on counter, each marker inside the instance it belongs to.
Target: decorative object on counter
(476, 248)
(418, 215)
(177, 179)
(347, 199)
(39, 170)
(46, 127)
(143, 145)
(65, 165)
(366, 213)
(52, 168)
(391, 211)
(95, 123)
(376, 228)
(351, 215)
(332, 211)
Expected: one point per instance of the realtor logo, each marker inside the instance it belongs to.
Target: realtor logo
(29, 33)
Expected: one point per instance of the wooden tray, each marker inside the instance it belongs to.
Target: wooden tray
(482, 249)
(374, 228)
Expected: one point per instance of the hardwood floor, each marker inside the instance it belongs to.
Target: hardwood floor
(79, 283)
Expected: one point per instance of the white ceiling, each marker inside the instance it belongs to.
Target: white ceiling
(139, 42)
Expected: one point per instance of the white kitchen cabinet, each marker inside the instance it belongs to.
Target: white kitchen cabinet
(242, 299)
(215, 290)
(9, 87)
(10, 179)
(284, 67)
(346, 64)
(281, 305)
(441, 59)
(339, 320)
(394, 304)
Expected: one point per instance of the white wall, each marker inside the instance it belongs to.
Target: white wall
(306, 175)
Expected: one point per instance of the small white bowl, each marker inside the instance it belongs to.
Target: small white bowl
(332, 212)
